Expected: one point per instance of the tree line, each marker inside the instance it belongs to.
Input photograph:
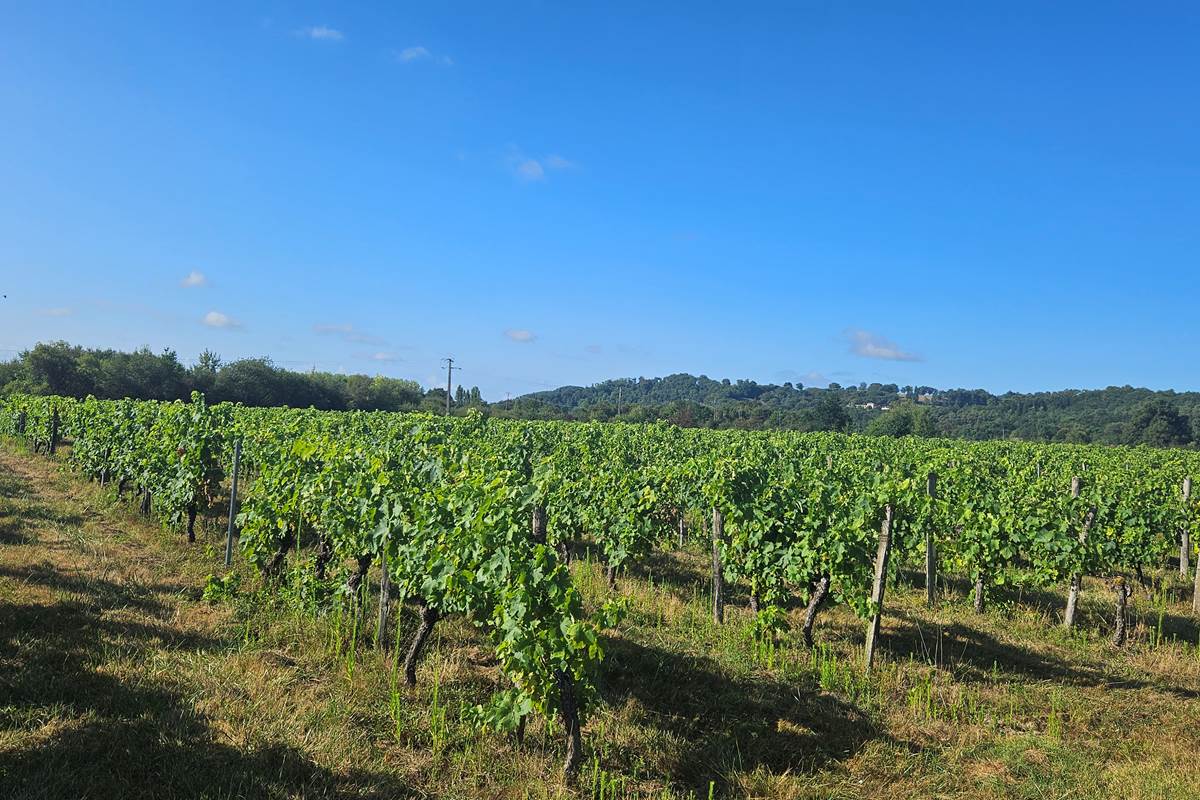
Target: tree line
(1115, 415)
(72, 371)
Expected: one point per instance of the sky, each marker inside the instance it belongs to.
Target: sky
(984, 195)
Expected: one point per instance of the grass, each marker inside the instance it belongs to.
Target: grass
(118, 680)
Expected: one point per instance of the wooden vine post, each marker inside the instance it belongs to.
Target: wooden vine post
(930, 552)
(237, 459)
(1187, 523)
(385, 590)
(1077, 578)
(1185, 535)
(718, 585)
(881, 562)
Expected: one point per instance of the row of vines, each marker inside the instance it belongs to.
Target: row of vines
(478, 517)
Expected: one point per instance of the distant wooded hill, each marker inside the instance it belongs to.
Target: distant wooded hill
(1116, 415)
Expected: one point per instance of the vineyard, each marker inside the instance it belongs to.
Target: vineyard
(363, 513)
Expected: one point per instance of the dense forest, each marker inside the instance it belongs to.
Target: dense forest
(1116, 415)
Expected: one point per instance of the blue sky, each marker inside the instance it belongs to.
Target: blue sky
(955, 194)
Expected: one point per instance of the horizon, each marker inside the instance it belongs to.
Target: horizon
(944, 196)
(795, 385)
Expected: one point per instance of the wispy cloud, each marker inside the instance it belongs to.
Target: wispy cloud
(594, 349)
(558, 162)
(408, 55)
(384, 357)
(215, 319)
(194, 279)
(870, 345)
(520, 335)
(57, 312)
(321, 33)
(347, 333)
(413, 54)
(528, 168)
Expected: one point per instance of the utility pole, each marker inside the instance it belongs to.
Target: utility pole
(449, 372)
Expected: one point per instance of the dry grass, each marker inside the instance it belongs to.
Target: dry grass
(117, 680)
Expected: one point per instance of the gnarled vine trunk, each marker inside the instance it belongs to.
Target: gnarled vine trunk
(538, 525)
(275, 565)
(816, 599)
(979, 593)
(358, 577)
(429, 618)
(324, 555)
(569, 714)
(191, 523)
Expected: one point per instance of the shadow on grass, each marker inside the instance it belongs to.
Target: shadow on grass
(18, 521)
(973, 655)
(77, 726)
(105, 736)
(676, 571)
(720, 722)
(1096, 609)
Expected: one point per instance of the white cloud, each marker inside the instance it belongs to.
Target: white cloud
(215, 319)
(869, 345)
(346, 332)
(557, 162)
(534, 169)
(529, 169)
(419, 53)
(322, 33)
(194, 278)
(386, 357)
(520, 335)
(57, 312)
(594, 349)
(413, 54)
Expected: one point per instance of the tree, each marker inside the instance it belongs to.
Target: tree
(204, 374)
(904, 420)
(829, 414)
(1158, 423)
(54, 369)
